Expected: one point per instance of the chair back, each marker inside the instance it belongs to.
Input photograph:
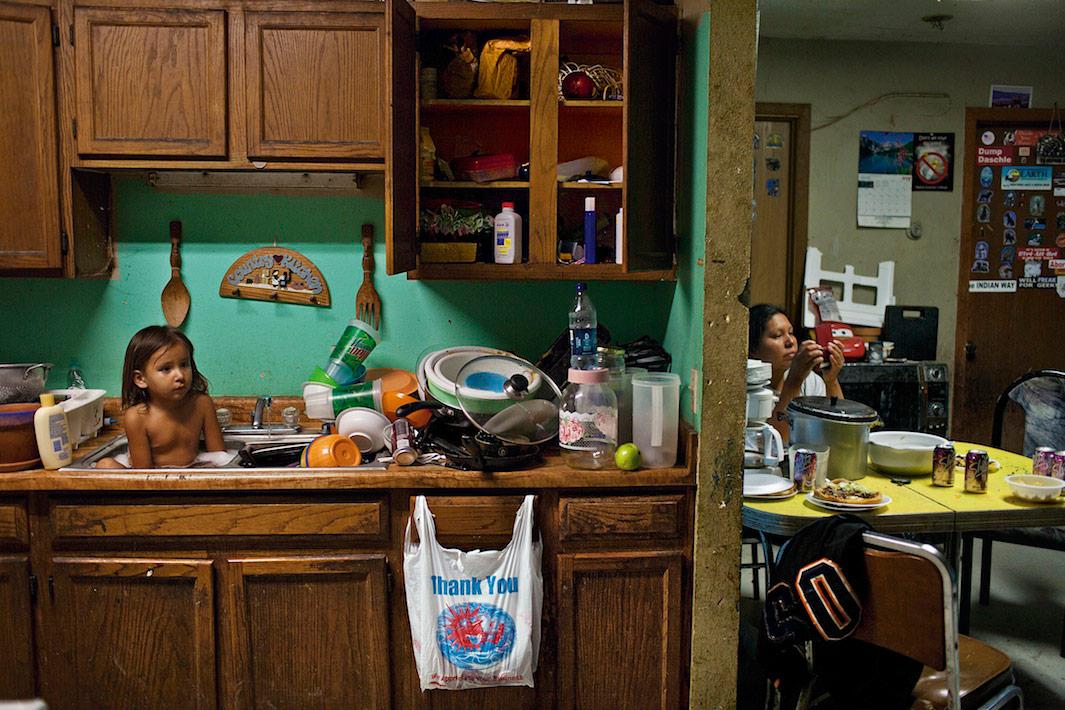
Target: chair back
(1004, 399)
(911, 607)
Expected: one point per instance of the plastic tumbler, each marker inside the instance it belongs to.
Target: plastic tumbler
(655, 414)
(327, 405)
(355, 345)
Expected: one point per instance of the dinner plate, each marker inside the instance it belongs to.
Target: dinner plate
(760, 484)
(833, 505)
(790, 493)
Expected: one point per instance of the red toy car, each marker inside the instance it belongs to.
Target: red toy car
(853, 346)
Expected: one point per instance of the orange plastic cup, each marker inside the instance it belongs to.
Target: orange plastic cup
(391, 401)
(331, 451)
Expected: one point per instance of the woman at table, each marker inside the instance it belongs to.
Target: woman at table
(797, 366)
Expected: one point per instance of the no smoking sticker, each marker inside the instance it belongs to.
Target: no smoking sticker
(932, 165)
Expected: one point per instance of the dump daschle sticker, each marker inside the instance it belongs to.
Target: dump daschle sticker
(474, 616)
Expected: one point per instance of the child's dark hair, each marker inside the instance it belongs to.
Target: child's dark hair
(757, 321)
(141, 346)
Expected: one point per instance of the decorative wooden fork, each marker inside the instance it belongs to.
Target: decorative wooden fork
(367, 302)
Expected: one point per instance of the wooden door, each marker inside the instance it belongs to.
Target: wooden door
(132, 633)
(401, 171)
(619, 630)
(314, 85)
(150, 82)
(781, 179)
(650, 120)
(29, 186)
(306, 632)
(16, 643)
(1002, 335)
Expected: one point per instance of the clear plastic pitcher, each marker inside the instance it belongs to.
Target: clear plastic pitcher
(655, 411)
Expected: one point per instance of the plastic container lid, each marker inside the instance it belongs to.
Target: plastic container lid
(595, 376)
(508, 205)
(589, 204)
(835, 409)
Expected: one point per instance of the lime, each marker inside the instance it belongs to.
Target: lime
(627, 457)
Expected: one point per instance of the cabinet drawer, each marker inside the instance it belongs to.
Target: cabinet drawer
(475, 520)
(657, 517)
(366, 520)
(13, 530)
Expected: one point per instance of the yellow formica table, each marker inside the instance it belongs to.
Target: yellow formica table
(919, 507)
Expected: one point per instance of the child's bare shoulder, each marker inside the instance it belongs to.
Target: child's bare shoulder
(135, 416)
(202, 400)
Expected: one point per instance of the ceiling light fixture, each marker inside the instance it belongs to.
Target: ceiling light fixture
(937, 20)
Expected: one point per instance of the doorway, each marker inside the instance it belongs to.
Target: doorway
(781, 193)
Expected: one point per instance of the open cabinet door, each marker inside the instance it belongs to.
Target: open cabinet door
(650, 105)
(401, 186)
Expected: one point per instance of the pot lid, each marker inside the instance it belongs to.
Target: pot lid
(834, 408)
(509, 398)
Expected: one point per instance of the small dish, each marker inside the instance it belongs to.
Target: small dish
(394, 380)
(331, 451)
(364, 426)
(836, 506)
(1041, 489)
(761, 484)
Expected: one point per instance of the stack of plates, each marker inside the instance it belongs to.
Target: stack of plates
(849, 507)
(766, 486)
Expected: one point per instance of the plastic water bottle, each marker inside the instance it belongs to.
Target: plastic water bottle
(583, 331)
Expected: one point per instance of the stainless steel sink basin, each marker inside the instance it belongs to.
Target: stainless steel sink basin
(262, 440)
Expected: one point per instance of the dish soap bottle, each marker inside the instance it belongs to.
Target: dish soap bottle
(508, 236)
(53, 433)
(588, 420)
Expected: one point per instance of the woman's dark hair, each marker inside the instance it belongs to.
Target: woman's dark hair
(757, 321)
(141, 346)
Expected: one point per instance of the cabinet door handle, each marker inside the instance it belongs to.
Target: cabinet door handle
(970, 351)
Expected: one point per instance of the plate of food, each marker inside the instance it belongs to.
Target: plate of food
(841, 494)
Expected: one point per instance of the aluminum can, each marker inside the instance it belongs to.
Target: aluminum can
(1043, 461)
(804, 469)
(1057, 470)
(943, 465)
(401, 442)
(976, 462)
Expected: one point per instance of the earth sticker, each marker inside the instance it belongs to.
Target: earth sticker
(475, 635)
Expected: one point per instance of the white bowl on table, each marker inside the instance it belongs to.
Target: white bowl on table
(903, 452)
(1036, 488)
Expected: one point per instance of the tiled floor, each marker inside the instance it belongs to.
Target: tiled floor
(1024, 620)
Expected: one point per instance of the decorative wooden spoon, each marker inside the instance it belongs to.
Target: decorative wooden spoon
(175, 295)
(367, 302)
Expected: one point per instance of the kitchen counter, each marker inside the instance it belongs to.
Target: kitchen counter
(551, 474)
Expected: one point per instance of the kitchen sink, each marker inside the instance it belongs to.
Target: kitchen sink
(262, 449)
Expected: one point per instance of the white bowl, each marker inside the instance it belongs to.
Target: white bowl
(364, 426)
(903, 452)
(1032, 487)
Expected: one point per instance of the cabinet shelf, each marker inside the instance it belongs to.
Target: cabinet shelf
(592, 104)
(575, 185)
(538, 272)
(470, 185)
(446, 105)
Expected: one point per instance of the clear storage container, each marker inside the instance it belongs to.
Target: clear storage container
(588, 420)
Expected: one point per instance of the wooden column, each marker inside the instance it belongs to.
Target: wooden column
(543, 141)
(715, 617)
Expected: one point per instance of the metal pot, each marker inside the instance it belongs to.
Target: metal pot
(840, 424)
(22, 382)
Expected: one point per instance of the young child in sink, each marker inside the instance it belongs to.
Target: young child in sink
(165, 404)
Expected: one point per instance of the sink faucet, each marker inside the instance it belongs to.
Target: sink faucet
(257, 414)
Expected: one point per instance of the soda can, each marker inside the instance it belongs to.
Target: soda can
(401, 442)
(1043, 461)
(976, 471)
(1057, 469)
(804, 469)
(943, 465)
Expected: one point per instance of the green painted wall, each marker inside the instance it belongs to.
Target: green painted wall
(684, 333)
(255, 347)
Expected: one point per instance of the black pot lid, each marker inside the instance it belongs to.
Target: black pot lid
(834, 408)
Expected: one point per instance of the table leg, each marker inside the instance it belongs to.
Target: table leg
(964, 570)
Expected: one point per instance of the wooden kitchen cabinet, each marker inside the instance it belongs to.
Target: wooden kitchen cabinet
(16, 643)
(30, 233)
(620, 600)
(139, 632)
(303, 632)
(635, 132)
(315, 85)
(150, 82)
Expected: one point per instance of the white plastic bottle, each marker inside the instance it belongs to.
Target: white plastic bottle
(508, 235)
(53, 433)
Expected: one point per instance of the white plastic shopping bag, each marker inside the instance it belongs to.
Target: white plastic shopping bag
(474, 616)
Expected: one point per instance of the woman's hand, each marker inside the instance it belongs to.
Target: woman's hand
(835, 362)
(807, 358)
